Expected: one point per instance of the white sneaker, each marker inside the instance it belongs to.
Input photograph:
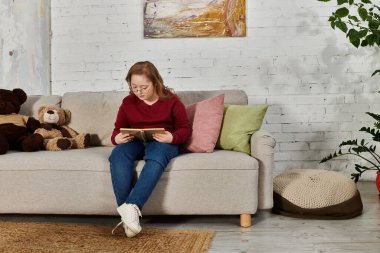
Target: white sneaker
(127, 231)
(130, 217)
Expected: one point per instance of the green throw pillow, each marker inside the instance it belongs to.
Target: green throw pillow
(239, 123)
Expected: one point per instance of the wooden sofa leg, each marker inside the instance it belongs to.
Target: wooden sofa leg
(245, 220)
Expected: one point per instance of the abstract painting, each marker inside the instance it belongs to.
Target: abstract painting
(194, 18)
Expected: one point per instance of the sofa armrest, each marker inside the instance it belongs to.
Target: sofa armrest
(262, 148)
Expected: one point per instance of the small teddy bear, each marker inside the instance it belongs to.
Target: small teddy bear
(57, 136)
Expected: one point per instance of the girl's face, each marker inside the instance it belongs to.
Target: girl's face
(143, 88)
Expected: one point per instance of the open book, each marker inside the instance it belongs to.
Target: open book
(143, 134)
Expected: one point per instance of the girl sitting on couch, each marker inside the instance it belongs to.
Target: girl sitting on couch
(150, 104)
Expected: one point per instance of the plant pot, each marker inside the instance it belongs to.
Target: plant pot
(378, 181)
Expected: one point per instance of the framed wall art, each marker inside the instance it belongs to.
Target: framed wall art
(194, 18)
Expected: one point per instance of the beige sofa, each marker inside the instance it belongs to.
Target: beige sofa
(79, 182)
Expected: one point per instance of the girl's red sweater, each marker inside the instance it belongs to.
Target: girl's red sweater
(167, 113)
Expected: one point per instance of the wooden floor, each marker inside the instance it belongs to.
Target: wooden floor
(269, 233)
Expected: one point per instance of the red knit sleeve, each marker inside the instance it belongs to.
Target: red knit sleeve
(121, 121)
(182, 127)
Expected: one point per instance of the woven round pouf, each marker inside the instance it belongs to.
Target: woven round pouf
(314, 193)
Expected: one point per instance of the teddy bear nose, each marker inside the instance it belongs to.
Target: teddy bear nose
(50, 112)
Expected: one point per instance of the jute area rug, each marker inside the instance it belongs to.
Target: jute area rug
(34, 237)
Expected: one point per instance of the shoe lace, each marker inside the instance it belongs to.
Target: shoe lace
(118, 225)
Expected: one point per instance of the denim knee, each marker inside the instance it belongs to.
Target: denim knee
(131, 151)
(160, 152)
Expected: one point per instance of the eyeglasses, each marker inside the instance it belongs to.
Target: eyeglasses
(141, 89)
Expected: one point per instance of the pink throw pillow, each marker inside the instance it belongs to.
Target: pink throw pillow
(206, 118)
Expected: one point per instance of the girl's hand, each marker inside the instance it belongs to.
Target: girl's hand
(123, 138)
(167, 137)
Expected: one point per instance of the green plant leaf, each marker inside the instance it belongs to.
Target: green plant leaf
(363, 13)
(353, 33)
(362, 168)
(325, 159)
(324, 0)
(332, 24)
(357, 168)
(354, 18)
(373, 24)
(355, 177)
(355, 41)
(349, 143)
(376, 72)
(371, 39)
(342, 2)
(364, 43)
(332, 18)
(362, 33)
(366, 1)
(342, 12)
(341, 25)
(373, 115)
(359, 150)
(350, 2)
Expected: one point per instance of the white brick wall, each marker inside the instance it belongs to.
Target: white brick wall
(318, 86)
(25, 45)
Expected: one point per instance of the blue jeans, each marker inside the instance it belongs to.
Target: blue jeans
(122, 163)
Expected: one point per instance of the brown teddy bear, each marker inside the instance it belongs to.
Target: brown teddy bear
(16, 130)
(57, 136)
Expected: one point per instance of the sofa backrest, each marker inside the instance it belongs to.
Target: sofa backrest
(31, 105)
(95, 112)
(234, 97)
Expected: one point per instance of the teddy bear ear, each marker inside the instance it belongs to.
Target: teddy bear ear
(67, 115)
(21, 95)
(41, 109)
(41, 113)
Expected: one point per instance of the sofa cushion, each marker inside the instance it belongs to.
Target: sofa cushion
(94, 113)
(218, 160)
(206, 118)
(30, 107)
(66, 182)
(49, 182)
(239, 123)
(96, 160)
(89, 159)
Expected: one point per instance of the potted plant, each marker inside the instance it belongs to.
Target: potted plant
(360, 21)
(360, 149)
